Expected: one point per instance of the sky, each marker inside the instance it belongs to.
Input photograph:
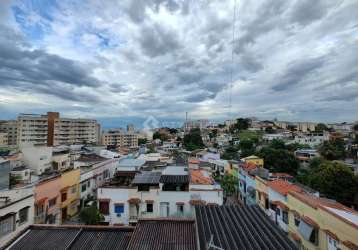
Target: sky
(126, 60)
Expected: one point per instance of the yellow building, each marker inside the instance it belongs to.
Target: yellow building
(70, 195)
(317, 223)
(253, 159)
(262, 193)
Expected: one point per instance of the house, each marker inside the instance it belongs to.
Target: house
(60, 158)
(319, 223)
(16, 212)
(253, 159)
(48, 200)
(70, 196)
(151, 194)
(305, 155)
(311, 138)
(278, 208)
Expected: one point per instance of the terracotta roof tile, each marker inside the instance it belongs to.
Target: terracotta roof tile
(197, 176)
(283, 187)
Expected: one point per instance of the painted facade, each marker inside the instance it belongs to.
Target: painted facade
(70, 196)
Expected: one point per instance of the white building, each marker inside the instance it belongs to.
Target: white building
(313, 138)
(37, 158)
(154, 194)
(16, 212)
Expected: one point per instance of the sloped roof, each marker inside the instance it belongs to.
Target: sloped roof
(164, 234)
(147, 177)
(74, 237)
(235, 227)
(201, 177)
(283, 187)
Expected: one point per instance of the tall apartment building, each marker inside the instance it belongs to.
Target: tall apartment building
(9, 127)
(120, 138)
(51, 130)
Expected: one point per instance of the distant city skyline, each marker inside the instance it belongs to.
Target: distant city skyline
(108, 60)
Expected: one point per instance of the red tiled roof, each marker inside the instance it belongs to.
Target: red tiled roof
(197, 177)
(283, 187)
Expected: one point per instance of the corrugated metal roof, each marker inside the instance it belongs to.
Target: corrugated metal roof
(147, 177)
(73, 237)
(235, 227)
(162, 234)
(174, 179)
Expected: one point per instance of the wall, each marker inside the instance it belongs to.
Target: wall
(38, 158)
(70, 182)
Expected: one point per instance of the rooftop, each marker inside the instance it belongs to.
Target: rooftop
(164, 234)
(235, 227)
(201, 177)
(91, 158)
(283, 187)
(147, 177)
(73, 237)
(128, 162)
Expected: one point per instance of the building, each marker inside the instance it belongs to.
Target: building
(48, 200)
(51, 130)
(201, 124)
(10, 128)
(37, 158)
(120, 138)
(61, 158)
(152, 194)
(3, 139)
(319, 223)
(16, 212)
(70, 195)
(311, 138)
(253, 159)
(305, 155)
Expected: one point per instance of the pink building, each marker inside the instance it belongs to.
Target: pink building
(47, 201)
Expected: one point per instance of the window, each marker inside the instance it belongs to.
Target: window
(273, 207)
(39, 209)
(285, 217)
(149, 207)
(143, 188)
(7, 224)
(83, 188)
(23, 215)
(278, 212)
(314, 236)
(73, 189)
(266, 203)
(52, 202)
(63, 197)
(88, 183)
(104, 207)
(119, 208)
(180, 208)
(297, 221)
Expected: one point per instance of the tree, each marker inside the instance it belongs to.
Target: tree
(142, 141)
(333, 149)
(193, 140)
(151, 149)
(321, 127)
(247, 147)
(277, 144)
(172, 130)
(229, 184)
(241, 124)
(279, 160)
(334, 179)
(91, 215)
(231, 153)
(292, 147)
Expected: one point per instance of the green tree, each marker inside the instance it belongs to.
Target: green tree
(321, 127)
(334, 179)
(279, 160)
(230, 153)
(91, 215)
(295, 146)
(172, 130)
(241, 124)
(229, 184)
(142, 141)
(193, 140)
(277, 144)
(333, 149)
(247, 147)
(151, 149)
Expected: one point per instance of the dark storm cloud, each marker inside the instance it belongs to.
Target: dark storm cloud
(297, 72)
(156, 40)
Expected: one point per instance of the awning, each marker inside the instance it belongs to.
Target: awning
(281, 205)
(309, 221)
(197, 202)
(330, 234)
(41, 201)
(180, 203)
(350, 245)
(134, 201)
(305, 230)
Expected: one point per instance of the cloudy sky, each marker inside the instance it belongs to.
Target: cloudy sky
(293, 60)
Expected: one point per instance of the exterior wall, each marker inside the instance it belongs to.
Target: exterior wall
(122, 195)
(70, 186)
(3, 139)
(5, 169)
(120, 139)
(277, 215)
(62, 161)
(258, 161)
(44, 192)
(32, 129)
(38, 158)
(326, 221)
(9, 127)
(261, 187)
(20, 198)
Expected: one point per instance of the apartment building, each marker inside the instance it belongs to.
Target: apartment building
(10, 128)
(151, 194)
(52, 130)
(16, 212)
(311, 138)
(3, 139)
(120, 138)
